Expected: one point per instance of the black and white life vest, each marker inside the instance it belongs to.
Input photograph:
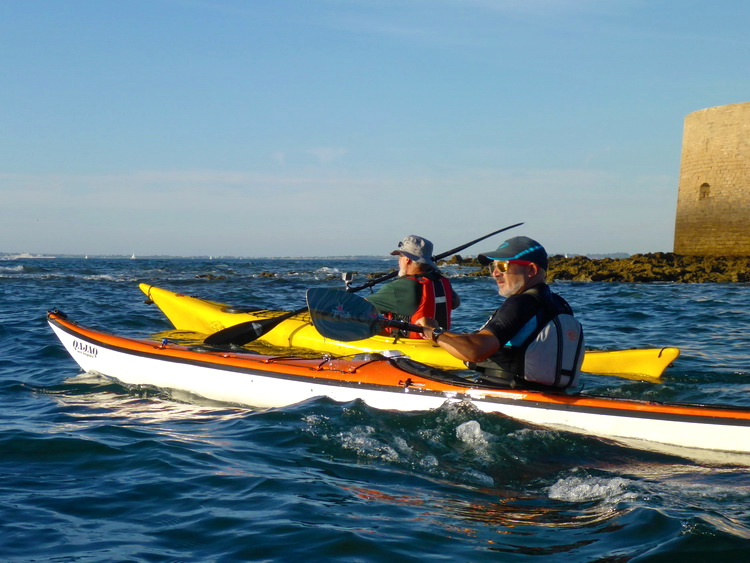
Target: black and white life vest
(551, 356)
(555, 355)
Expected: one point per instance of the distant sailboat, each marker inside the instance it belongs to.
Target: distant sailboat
(132, 257)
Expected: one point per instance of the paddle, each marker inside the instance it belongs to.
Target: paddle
(243, 333)
(339, 315)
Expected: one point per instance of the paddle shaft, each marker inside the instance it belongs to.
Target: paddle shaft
(244, 333)
(401, 325)
(435, 258)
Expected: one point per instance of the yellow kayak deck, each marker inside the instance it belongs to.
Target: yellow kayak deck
(199, 315)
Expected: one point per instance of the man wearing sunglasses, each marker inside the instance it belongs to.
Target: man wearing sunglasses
(507, 348)
(420, 290)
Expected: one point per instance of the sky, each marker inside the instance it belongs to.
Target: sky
(337, 127)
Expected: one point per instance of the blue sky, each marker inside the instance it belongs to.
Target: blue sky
(333, 127)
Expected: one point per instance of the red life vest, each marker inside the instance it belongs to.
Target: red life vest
(436, 302)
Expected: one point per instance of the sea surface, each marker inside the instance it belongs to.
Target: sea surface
(91, 470)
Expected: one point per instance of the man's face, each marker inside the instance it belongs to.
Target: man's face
(511, 277)
(402, 263)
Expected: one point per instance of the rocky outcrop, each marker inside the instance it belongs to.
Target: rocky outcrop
(652, 267)
(655, 267)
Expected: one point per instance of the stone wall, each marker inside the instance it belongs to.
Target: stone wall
(713, 202)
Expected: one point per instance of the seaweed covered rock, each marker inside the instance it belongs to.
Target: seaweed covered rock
(650, 267)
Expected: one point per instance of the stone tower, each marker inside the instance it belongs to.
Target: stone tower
(713, 201)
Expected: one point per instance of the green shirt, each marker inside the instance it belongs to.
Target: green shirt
(400, 297)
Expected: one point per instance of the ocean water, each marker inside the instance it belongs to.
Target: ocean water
(91, 470)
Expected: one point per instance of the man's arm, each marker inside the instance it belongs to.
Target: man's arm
(470, 347)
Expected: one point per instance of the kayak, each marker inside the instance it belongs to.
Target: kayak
(207, 317)
(716, 434)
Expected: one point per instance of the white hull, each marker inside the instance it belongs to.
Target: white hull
(714, 434)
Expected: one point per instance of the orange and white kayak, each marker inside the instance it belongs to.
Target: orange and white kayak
(714, 433)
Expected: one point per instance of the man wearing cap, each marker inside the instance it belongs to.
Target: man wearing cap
(498, 349)
(420, 290)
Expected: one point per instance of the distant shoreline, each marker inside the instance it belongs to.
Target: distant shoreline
(653, 267)
(637, 268)
(14, 256)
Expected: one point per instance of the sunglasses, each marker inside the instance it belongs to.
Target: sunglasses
(503, 265)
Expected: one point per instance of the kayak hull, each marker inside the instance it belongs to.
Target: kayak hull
(198, 315)
(714, 434)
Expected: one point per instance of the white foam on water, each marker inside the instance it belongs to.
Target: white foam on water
(471, 432)
(362, 440)
(18, 268)
(588, 488)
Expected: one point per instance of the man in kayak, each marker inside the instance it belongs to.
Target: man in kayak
(532, 337)
(420, 290)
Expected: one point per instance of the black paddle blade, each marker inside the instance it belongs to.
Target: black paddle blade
(238, 334)
(340, 315)
(243, 333)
